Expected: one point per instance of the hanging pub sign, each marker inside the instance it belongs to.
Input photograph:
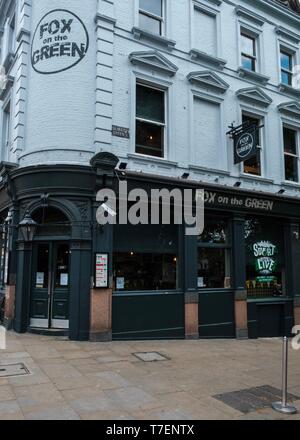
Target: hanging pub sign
(245, 139)
(101, 271)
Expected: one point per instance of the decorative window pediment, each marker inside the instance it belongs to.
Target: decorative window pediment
(291, 108)
(287, 34)
(209, 79)
(153, 60)
(250, 16)
(254, 95)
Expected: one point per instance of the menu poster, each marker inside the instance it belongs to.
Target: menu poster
(101, 271)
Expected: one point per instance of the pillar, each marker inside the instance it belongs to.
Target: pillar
(191, 296)
(239, 277)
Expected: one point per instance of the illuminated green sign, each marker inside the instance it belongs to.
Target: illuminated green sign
(265, 258)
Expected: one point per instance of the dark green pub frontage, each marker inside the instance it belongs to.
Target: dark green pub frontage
(69, 275)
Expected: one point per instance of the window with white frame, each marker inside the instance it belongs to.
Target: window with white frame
(291, 159)
(248, 51)
(6, 133)
(253, 165)
(150, 120)
(286, 66)
(151, 16)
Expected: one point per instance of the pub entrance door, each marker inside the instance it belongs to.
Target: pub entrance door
(49, 306)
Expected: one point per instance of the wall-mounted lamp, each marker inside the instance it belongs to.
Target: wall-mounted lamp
(237, 184)
(28, 227)
(282, 191)
(185, 175)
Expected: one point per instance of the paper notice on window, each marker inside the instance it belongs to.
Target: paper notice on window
(64, 279)
(39, 278)
(200, 282)
(120, 284)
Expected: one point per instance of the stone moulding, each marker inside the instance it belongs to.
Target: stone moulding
(153, 60)
(209, 79)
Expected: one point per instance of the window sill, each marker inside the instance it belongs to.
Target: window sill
(289, 90)
(146, 158)
(212, 61)
(257, 178)
(140, 34)
(291, 184)
(253, 76)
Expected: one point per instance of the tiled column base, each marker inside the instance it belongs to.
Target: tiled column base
(191, 316)
(9, 306)
(241, 315)
(101, 315)
(297, 310)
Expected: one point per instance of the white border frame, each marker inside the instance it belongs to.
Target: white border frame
(161, 84)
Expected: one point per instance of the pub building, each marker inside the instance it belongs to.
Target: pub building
(155, 116)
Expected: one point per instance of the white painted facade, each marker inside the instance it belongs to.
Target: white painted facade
(67, 117)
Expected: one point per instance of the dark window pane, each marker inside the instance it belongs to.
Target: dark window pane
(289, 137)
(62, 266)
(215, 230)
(286, 78)
(253, 166)
(213, 268)
(248, 63)
(140, 272)
(286, 61)
(42, 270)
(248, 45)
(150, 24)
(150, 104)
(152, 6)
(149, 139)
(291, 168)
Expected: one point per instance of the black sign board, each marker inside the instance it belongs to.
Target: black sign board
(245, 138)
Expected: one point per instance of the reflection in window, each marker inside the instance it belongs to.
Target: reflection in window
(286, 63)
(42, 271)
(62, 266)
(144, 271)
(213, 268)
(248, 44)
(214, 254)
(290, 154)
(215, 230)
(151, 16)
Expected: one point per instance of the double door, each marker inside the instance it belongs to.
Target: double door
(50, 285)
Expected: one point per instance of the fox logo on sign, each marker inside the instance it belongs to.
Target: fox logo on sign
(59, 43)
(2, 338)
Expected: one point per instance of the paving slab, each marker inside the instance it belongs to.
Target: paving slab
(104, 381)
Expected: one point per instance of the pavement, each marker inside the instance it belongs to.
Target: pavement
(106, 381)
